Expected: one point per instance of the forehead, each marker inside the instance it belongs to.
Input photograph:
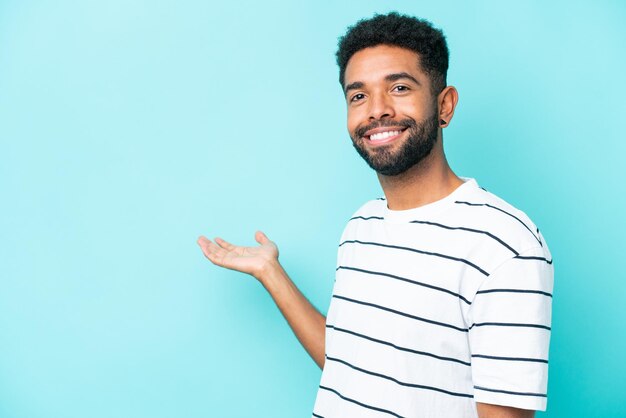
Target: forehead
(374, 63)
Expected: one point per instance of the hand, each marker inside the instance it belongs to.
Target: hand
(250, 260)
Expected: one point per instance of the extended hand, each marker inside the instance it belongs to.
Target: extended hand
(262, 262)
(251, 260)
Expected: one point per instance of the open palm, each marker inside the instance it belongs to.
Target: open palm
(251, 260)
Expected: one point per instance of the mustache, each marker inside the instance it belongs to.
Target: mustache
(405, 123)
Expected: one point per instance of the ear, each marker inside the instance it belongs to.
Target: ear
(447, 100)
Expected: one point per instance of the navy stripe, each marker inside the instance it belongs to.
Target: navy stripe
(315, 415)
(508, 324)
(449, 257)
(430, 321)
(478, 231)
(367, 218)
(538, 292)
(505, 212)
(411, 385)
(508, 392)
(404, 279)
(345, 398)
(461, 228)
(397, 347)
(535, 360)
(528, 257)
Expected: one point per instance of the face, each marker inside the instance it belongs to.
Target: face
(392, 114)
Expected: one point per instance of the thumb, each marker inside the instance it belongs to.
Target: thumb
(261, 238)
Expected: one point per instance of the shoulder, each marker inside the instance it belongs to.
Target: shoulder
(371, 208)
(371, 211)
(480, 209)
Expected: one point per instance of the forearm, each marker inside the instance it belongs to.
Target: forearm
(497, 411)
(307, 323)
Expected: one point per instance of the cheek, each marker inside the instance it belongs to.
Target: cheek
(355, 119)
(417, 108)
(406, 106)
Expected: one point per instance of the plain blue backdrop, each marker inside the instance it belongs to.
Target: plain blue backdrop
(129, 128)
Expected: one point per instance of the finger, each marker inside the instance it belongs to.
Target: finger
(224, 244)
(211, 251)
(202, 240)
(261, 238)
(204, 245)
(209, 245)
(210, 256)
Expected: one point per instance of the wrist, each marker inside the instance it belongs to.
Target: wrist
(269, 272)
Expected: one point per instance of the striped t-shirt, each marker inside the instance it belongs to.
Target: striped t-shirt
(437, 308)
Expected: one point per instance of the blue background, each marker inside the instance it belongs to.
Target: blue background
(128, 128)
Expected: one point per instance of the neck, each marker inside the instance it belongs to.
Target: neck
(428, 181)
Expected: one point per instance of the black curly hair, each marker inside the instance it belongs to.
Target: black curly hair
(396, 29)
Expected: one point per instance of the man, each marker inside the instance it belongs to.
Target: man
(442, 301)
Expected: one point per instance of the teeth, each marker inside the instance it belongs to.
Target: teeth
(383, 135)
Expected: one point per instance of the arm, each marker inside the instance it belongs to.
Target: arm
(518, 292)
(261, 262)
(486, 410)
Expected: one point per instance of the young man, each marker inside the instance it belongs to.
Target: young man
(442, 300)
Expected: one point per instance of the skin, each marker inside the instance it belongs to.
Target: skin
(377, 99)
(372, 97)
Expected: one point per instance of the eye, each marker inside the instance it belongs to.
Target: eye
(401, 88)
(357, 97)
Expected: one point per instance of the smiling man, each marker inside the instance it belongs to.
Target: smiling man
(442, 300)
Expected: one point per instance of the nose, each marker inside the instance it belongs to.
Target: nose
(380, 107)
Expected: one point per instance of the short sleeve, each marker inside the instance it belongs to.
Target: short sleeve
(509, 335)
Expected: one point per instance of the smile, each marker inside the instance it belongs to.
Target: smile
(384, 135)
(381, 136)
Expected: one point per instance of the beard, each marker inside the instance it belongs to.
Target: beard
(389, 161)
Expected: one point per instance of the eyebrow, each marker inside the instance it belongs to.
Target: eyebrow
(400, 76)
(354, 86)
(389, 77)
